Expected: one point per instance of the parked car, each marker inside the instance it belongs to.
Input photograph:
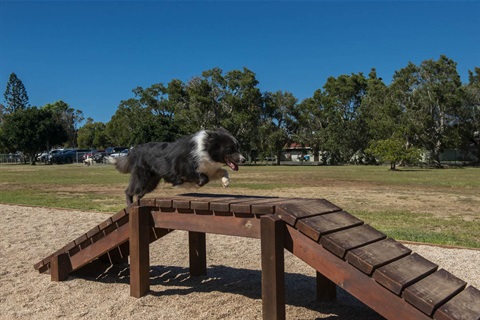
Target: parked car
(111, 150)
(69, 156)
(42, 156)
(99, 156)
(52, 154)
(119, 154)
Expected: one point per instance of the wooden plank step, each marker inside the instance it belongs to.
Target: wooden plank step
(263, 205)
(370, 257)
(464, 306)
(342, 241)
(315, 227)
(290, 212)
(433, 291)
(398, 275)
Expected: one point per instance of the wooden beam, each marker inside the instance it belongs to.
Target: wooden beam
(326, 289)
(60, 267)
(198, 253)
(227, 225)
(273, 268)
(139, 251)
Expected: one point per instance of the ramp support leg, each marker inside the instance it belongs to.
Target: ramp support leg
(60, 267)
(273, 269)
(198, 253)
(139, 251)
(326, 289)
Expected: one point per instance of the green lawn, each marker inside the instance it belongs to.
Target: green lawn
(439, 206)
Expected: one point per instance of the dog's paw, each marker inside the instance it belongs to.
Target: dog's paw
(225, 182)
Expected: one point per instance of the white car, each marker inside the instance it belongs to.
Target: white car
(119, 154)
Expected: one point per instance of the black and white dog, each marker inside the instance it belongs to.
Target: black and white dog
(196, 159)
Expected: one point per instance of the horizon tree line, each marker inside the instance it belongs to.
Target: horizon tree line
(352, 118)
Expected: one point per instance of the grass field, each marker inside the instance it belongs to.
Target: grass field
(440, 206)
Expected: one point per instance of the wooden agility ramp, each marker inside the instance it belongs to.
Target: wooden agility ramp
(345, 252)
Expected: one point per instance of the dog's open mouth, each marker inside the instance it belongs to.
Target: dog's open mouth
(231, 164)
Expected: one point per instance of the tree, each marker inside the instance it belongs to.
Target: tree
(279, 122)
(92, 135)
(31, 131)
(134, 124)
(69, 117)
(393, 151)
(343, 123)
(469, 125)
(16, 97)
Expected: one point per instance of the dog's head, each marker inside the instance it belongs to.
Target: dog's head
(224, 148)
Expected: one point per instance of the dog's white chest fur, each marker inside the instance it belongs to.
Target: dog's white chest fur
(212, 169)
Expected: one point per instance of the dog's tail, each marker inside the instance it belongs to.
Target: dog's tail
(121, 163)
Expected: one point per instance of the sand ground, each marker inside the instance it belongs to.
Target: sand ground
(231, 290)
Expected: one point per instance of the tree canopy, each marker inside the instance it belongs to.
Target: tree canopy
(352, 118)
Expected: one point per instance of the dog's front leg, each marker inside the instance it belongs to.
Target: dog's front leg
(223, 174)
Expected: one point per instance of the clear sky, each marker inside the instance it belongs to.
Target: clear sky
(91, 54)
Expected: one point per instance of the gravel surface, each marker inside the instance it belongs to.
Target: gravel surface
(232, 289)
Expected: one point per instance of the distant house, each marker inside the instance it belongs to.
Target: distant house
(297, 152)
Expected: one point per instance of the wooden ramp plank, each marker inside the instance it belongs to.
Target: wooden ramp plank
(464, 306)
(399, 274)
(340, 242)
(315, 227)
(434, 290)
(350, 278)
(290, 212)
(377, 254)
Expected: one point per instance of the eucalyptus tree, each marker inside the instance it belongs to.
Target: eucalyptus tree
(341, 99)
(279, 121)
(429, 96)
(68, 117)
(469, 126)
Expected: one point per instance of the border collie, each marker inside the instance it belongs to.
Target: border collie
(196, 159)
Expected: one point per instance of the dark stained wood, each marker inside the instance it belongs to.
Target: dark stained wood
(228, 225)
(139, 251)
(93, 232)
(342, 241)
(377, 254)
(434, 290)
(60, 267)
(105, 224)
(290, 212)
(315, 227)
(399, 274)
(102, 246)
(350, 278)
(273, 268)
(465, 306)
(326, 289)
(197, 253)
(119, 215)
(263, 205)
(223, 205)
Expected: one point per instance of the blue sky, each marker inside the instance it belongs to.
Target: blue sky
(91, 54)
